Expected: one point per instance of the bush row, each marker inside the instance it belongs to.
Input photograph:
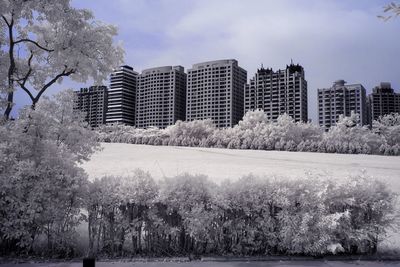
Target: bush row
(251, 216)
(255, 131)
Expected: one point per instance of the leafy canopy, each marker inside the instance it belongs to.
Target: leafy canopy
(43, 41)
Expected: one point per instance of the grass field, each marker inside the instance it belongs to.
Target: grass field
(220, 164)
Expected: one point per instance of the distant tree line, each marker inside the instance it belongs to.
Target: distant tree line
(255, 131)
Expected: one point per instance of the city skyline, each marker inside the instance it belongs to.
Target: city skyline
(217, 90)
(331, 40)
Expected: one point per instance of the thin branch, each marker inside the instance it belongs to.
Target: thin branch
(51, 82)
(23, 87)
(35, 43)
(6, 21)
(24, 80)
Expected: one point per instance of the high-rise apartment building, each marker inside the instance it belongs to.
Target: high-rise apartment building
(383, 100)
(278, 92)
(161, 97)
(122, 96)
(341, 99)
(215, 91)
(93, 102)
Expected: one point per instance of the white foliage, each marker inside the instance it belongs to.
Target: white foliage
(50, 41)
(335, 248)
(42, 188)
(388, 127)
(255, 131)
(252, 118)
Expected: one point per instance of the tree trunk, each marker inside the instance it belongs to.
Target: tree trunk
(10, 98)
(121, 242)
(183, 239)
(112, 234)
(11, 69)
(134, 244)
(90, 230)
(99, 233)
(139, 238)
(48, 237)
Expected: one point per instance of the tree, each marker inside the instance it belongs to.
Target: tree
(138, 193)
(392, 8)
(42, 186)
(348, 131)
(388, 126)
(191, 200)
(255, 131)
(42, 42)
(252, 118)
(197, 129)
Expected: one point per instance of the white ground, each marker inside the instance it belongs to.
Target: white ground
(220, 164)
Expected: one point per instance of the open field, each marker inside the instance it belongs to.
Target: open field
(220, 164)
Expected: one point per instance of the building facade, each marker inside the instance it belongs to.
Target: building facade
(341, 99)
(161, 97)
(215, 91)
(278, 92)
(382, 101)
(122, 96)
(93, 102)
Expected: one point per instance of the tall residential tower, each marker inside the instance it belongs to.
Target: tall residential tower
(215, 91)
(93, 102)
(122, 96)
(383, 100)
(341, 99)
(278, 92)
(161, 97)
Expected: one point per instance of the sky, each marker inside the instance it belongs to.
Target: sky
(331, 39)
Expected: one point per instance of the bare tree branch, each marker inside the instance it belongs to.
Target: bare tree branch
(23, 87)
(22, 81)
(35, 43)
(64, 73)
(5, 20)
(25, 79)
